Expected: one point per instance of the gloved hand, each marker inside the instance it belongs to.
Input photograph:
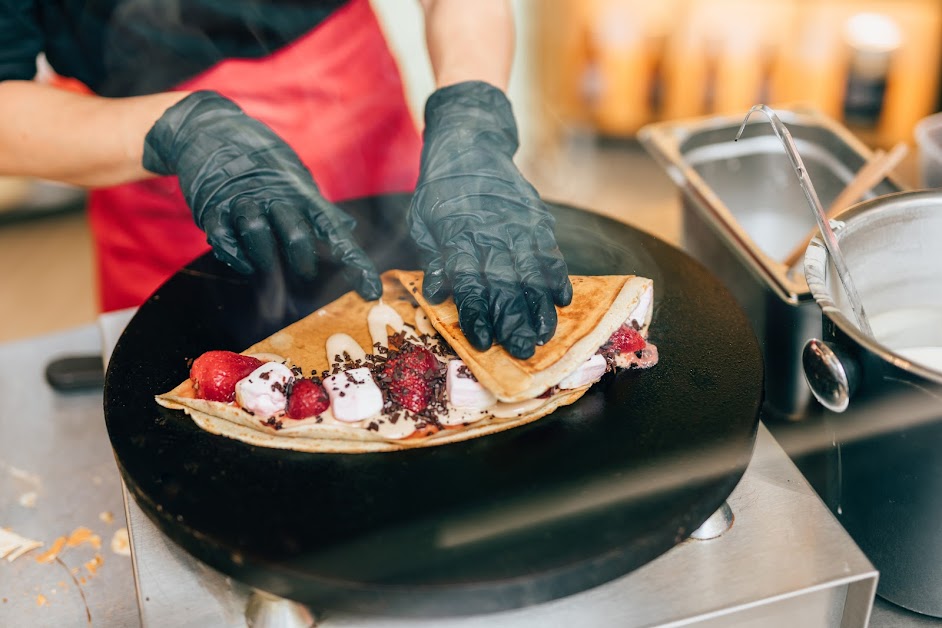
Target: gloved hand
(485, 233)
(250, 193)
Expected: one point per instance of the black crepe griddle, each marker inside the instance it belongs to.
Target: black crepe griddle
(578, 498)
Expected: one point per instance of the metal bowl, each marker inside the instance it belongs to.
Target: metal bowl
(885, 392)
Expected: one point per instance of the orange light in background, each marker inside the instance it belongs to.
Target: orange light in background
(616, 65)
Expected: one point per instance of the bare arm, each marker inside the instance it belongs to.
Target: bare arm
(86, 140)
(470, 40)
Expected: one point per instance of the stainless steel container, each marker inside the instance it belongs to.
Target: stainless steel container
(743, 211)
(886, 391)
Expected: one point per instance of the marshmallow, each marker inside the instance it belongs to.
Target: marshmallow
(464, 391)
(354, 395)
(640, 313)
(590, 371)
(262, 392)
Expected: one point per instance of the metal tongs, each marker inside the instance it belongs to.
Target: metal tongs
(830, 240)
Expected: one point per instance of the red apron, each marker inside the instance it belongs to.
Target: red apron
(334, 95)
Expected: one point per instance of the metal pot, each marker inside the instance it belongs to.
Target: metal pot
(885, 393)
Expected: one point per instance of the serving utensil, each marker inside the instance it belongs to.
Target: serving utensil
(830, 240)
(874, 171)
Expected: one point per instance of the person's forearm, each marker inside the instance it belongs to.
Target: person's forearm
(470, 40)
(90, 141)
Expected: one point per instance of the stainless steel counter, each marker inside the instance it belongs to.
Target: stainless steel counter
(785, 558)
(785, 562)
(57, 473)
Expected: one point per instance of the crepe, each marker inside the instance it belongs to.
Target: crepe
(303, 345)
(600, 304)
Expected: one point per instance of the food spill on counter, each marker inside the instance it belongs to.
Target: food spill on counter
(78, 536)
(92, 566)
(12, 545)
(120, 543)
(53, 552)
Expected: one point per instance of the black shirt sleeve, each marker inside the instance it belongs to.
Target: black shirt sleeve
(21, 37)
(133, 47)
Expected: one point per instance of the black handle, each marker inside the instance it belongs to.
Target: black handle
(78, 372)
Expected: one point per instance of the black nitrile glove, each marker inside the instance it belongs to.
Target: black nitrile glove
(486, 235)
(250, 193)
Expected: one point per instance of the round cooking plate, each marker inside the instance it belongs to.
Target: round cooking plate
(580, 497)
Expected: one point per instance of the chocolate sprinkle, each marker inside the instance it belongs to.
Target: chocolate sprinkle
(273, 423)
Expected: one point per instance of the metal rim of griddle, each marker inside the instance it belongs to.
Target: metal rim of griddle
(401, 533)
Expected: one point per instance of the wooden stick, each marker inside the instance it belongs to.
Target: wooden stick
(868, 176)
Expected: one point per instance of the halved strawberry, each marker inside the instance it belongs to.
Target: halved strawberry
(306, 399)
(412, 392)
(408, 374)
(215, 374)
(625, 340)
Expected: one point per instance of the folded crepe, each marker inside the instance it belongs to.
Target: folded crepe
(599, 306)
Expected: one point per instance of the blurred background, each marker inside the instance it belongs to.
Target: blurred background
(588, 75)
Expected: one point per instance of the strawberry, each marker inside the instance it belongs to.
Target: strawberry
(215, 374)
(625, 340)
(306, 399)
(411, 392)
(408, 374)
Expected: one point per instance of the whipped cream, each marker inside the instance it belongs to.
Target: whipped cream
(454, 416)
(504, 410)
(383, 316)
(422, 322)
(338, 344)
(403, 428)
(262, 392)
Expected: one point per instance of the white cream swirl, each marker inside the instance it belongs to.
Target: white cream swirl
(338, 344)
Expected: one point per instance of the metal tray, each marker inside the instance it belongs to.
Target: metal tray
(743, 210)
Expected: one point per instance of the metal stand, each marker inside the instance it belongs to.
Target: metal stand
(265, 610)
(718, 523)
(828, 584)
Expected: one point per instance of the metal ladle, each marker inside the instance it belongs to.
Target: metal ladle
(830, 240)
